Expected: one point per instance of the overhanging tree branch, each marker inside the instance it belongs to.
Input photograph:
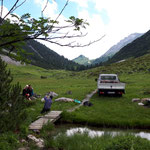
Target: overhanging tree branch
(13, 8)
(47, 29)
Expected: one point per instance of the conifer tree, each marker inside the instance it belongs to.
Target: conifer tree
(12, 104)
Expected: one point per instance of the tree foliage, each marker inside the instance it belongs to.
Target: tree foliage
(14, 32)
(47, 58)
(22, 28)
(12, 104)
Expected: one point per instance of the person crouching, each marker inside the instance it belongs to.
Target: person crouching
(47, 104)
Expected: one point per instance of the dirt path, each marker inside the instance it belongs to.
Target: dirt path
(87, 98)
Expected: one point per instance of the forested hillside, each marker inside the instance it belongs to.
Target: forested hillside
(44, 57)
(137, 48)
(82, 60)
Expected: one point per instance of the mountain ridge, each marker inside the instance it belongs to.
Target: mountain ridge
(42, 56)
(82, 60)
(137, 48)
(117, 47)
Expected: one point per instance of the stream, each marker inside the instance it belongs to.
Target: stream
(92, 131)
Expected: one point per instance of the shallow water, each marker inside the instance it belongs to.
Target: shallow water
(97, 132)
(93, 133)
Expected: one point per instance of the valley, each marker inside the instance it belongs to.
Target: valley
(106, 111)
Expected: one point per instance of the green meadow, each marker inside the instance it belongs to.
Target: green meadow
(106, 111)
(118, 112)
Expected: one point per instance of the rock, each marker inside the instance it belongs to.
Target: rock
(64, 99)
(140, 104)
(42, 100)
(43, 77)
(51, 93)
(69, 92)
(136, 100)
(145, 99)
(11, 61)
(24, 148)
(23, 141)
(39, 142)
(87, 103)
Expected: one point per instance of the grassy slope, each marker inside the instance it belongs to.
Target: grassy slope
(115, 111)
(106, 111)
(118, 111)
(58, 81)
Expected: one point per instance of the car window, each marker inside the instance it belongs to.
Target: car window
(108, 77)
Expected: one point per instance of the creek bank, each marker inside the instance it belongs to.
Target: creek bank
(93, 131)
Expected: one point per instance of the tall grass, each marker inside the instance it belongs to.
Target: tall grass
(105, 142)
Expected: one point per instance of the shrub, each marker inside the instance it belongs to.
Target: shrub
(12, 104)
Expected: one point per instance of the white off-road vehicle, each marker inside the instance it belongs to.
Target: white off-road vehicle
(110, 84)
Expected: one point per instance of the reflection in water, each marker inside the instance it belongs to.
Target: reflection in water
(93, 133)
(143, 135)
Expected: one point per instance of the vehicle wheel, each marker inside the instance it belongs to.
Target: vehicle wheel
(99, 93)
(120, 95)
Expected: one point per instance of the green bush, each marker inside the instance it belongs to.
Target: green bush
(8, 141)
(12, 104)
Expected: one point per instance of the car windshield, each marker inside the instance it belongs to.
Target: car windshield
(108, 77)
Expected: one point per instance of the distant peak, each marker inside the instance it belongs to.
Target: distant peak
(81, 56)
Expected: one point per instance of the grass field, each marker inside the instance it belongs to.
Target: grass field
(107, 111)
(118, 112)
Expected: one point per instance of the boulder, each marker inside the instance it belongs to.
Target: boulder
(39, 142)
(69, 92)
(64, 99)
(136, 100)
(51, 93)
(140, 104)
(43, 77)
(146, 101)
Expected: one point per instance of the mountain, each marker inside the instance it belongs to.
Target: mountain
(137, 48)
(82, 60)
(114, 49)
(42, 56)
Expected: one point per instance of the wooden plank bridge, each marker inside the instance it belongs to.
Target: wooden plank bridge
(53, 116)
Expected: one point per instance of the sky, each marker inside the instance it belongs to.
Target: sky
(116, 19)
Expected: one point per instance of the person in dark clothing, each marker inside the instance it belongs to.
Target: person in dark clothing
(30, 91)
(25, 91)
(47, 104)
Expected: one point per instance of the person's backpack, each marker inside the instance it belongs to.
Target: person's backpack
(87, 103)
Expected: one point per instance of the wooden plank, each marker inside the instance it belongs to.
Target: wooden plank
(38, 123)
(51, 117)
(53, 114)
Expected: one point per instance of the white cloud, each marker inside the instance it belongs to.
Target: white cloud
(125, 17)
(4, 11)
(81, 3)
(50, 8)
